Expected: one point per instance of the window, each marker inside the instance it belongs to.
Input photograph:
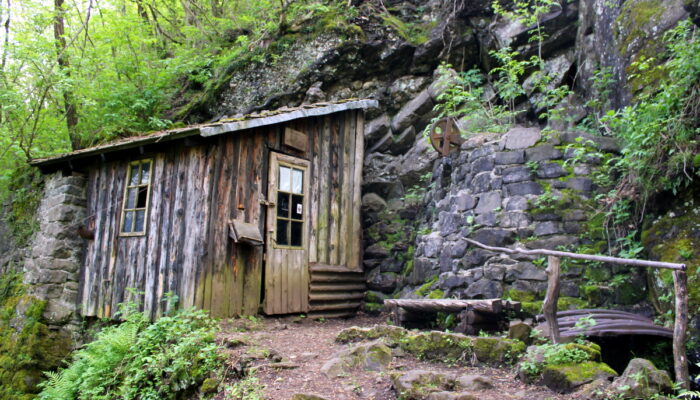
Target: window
(136, 195)
(290, 207)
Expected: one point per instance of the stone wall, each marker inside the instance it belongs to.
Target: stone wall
(520, 188)
(52, 267)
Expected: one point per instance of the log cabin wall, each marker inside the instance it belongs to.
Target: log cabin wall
(195, 190)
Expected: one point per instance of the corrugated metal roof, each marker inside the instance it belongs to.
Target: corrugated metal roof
(217, 128)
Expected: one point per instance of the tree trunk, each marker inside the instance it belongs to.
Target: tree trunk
(59, 31)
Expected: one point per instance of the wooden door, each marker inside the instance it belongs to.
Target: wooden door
(286, 267)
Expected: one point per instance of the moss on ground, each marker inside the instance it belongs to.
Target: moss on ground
(438, 346)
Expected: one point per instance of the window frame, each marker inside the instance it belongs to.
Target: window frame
(128, 186)
(304, 188)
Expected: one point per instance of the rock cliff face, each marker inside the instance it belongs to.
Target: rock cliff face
(523, 187)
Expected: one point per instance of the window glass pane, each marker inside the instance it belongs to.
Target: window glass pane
(297, 206)
(131, 198)
(297, 181)
(134, 178)
(285, 179)
(282, 205)
(282, 232)
(297, 234)
(128, 221)
(138, 224)
(142, 197)
(145, 172)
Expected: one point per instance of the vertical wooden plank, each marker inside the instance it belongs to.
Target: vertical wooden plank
(112, 244)
(358, 154)
(170, 168)
(313, 196)
(91, 267)
(177, 231)
(324, 193)
(153, 250)
(345, 188)
(337, 122)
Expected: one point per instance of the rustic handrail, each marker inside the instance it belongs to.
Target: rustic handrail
(590, 257)
(549, 306)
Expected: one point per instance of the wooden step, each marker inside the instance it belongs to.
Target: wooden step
(318, 278)
(348, 305)
(337, 269)
(337, 287)
(336, 296)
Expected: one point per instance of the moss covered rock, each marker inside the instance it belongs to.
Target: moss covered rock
(390, 334)
(497, 351)
(675, 237)
(566, 378)
(438, 346)
(642, 380)
(372, 356)
(27, 346)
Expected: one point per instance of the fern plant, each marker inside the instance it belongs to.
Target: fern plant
(140, 360)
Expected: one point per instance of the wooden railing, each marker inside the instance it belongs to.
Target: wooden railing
(549, 307)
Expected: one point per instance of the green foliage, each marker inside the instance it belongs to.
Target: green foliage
(140, 360)
(125, 64)
(248, 388)
(556, 354)
(660, 132)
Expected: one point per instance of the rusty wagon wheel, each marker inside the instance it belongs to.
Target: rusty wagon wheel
(445, 136)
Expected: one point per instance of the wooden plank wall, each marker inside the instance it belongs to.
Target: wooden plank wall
(195, 191)
(186, 250)
(336, 144)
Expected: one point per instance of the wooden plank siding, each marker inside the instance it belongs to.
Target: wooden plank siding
(195, 190)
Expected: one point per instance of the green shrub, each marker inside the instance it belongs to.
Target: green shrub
(139, 360)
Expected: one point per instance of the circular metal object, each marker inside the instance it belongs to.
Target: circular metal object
(445, 136)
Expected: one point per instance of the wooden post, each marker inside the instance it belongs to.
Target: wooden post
(549, 307)
(680, 328)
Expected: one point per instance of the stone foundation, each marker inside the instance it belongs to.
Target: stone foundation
(52, 267)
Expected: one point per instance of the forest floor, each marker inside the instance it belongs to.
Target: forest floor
(285, 356)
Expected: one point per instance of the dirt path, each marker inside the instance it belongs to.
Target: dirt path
(303, 346)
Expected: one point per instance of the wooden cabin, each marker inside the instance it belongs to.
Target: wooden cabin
(242, 215)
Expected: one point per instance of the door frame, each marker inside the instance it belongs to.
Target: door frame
(276, 160)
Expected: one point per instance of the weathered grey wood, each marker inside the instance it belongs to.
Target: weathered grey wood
(347, 287)
(549, 307)
(324, 193)
(335, 306)
(341, 269)
(590, 257)
(296, 139)
(356, 237)
(245, 233)
(447, 305)
(335, 166)
(680, 329)
(319, 278)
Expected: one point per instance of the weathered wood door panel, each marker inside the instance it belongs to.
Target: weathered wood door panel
(286, 268)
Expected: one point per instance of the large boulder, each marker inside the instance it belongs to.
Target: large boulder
(642, 380)
(372, 356)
